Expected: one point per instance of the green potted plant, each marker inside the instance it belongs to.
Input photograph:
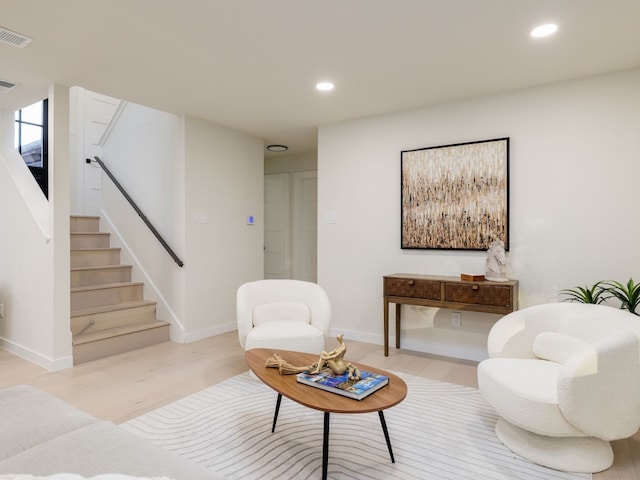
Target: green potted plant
(628, 294)
(597, 293)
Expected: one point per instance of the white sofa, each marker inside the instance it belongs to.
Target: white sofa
(565, 380)
(41, 435)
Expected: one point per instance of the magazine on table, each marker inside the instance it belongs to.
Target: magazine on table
(340, 384)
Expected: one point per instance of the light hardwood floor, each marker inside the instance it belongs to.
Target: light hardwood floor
(125, 386)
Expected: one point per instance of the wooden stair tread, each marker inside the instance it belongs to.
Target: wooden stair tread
(100, 267)
(96, 249)
(111, 308)
(117, 331)
(89, 234)
(104, 286)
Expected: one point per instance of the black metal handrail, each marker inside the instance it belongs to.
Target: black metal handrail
(139, 212)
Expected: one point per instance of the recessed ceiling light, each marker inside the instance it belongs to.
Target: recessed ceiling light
(277, 148)
(324, 86)
(544, 30)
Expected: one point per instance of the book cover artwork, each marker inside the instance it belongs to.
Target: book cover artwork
(329, 381)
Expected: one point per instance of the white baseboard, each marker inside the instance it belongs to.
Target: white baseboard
(209, 332)
(358, 336)
(51, 364)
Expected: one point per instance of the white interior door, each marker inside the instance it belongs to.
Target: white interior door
(305, 226)
(276, 226)
(98, 111)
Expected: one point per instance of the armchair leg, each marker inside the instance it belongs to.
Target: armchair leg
(569, 454)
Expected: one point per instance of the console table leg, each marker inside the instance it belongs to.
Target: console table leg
(398, 310)
(325, 446)
(275, 415)
(386, 435)
(386, 328)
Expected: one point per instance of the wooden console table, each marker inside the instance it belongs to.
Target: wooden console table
(445, 292)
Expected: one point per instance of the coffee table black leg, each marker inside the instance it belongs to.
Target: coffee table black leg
(325, 446)
(386, 435)
(275, 415)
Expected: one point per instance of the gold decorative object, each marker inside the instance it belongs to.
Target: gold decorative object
(333, 359)
(285, 368)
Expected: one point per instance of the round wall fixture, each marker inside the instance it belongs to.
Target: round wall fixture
(277, 148)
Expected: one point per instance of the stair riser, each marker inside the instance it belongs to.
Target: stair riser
(84, 224)
(106, 296)
(114, 345)
(84, 278)
(89, 240)
(94, 258)
(113, 319)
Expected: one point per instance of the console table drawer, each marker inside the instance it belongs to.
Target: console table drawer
(412, 288)
(496, 295)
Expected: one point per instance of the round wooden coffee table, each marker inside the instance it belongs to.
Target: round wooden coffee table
(327, 402)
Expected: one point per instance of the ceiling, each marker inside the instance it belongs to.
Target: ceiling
(252, 64)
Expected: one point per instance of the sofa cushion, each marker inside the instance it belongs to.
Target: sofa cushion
(30, 416)
(524, 392)
(557, 347)
(102, 448)
(74, 476)
(286, 335)
(281, 311)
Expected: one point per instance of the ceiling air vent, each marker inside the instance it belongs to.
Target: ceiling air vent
(6, 86)
(13, 38)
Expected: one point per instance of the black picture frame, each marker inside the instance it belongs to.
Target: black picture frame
(455, 197)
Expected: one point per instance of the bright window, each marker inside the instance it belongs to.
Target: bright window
(30, 133)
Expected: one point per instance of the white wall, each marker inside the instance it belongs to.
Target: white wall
(143, 151)
(305, 162)
(224, 177)
(140, 152)
(196, 182)
(575, 163)
(59, 201)
(34, 246)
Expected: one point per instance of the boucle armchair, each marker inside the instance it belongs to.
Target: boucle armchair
(565, 381)
(283, 314)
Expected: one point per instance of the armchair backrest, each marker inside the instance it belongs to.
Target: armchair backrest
(589, 380)
(514, 334)
(264, 300)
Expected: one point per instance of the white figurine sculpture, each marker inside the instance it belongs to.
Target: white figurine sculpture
(496, 259)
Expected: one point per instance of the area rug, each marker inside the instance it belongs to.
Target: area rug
(440, 431)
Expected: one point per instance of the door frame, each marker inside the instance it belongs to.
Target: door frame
(299, 253)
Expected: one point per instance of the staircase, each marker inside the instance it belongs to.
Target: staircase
(108, 312)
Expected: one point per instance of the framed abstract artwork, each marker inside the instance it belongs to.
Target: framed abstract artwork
(455, 197)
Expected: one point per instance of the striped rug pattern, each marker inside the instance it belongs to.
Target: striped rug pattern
(440, 431)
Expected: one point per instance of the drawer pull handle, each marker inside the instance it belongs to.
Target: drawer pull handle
(411, 282)
(475, 287)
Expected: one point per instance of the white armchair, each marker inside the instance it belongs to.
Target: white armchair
(284, 315)
(565, 380)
